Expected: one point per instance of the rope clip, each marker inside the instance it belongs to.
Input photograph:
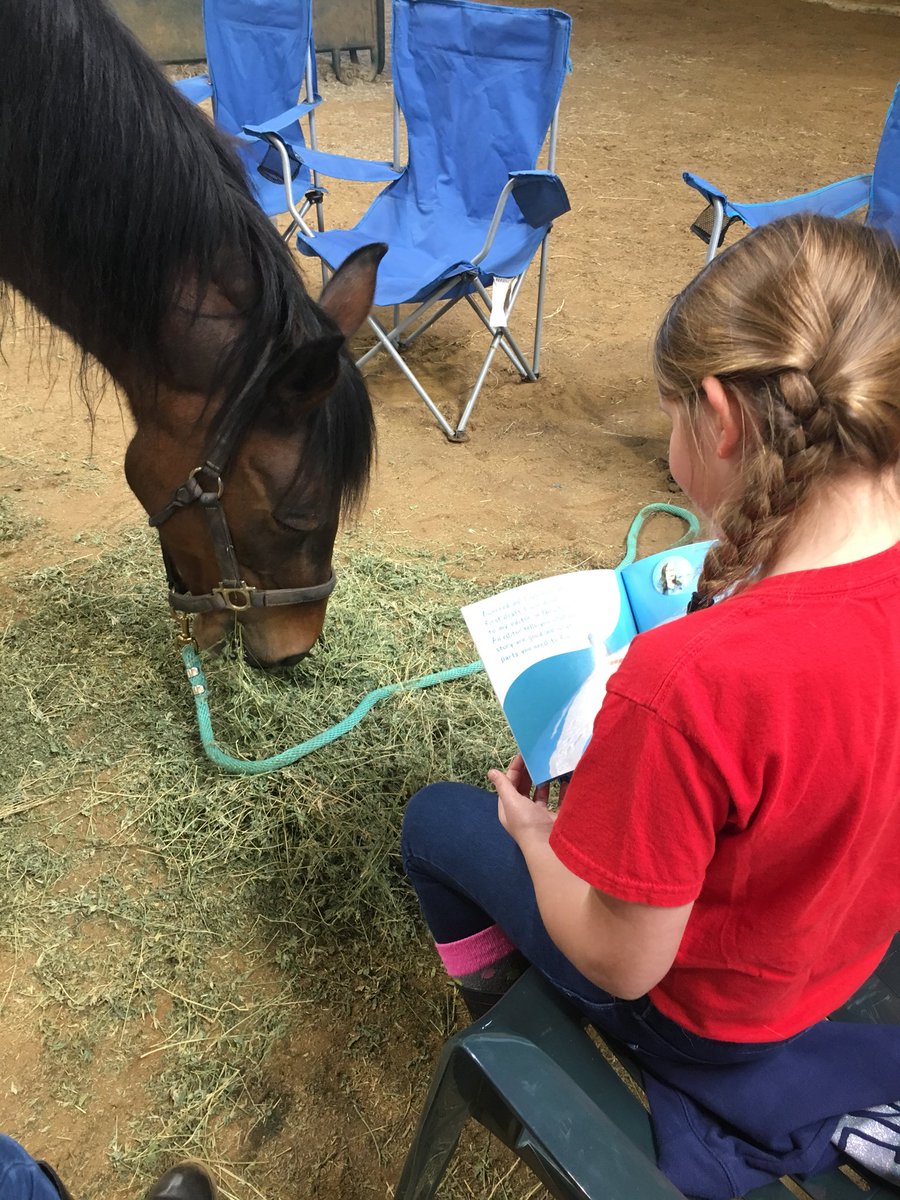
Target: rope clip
(183, 622)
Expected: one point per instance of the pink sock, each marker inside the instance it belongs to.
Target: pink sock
(485, 961)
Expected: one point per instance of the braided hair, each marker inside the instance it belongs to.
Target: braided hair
(800, 322)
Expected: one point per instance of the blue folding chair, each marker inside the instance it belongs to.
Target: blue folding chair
(880, 190)
(262, 68)
(479, 88)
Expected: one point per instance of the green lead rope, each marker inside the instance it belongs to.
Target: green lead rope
(260, 766)
(631, 540)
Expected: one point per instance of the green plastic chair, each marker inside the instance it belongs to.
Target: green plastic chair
(530, 1073)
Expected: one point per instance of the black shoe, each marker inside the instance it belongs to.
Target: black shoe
(55, 1180)
(478, 1004)
(184, 1181)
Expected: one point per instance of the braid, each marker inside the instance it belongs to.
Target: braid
(778, 474)
(798, 322)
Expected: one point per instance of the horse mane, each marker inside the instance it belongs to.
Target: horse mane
(114, 188)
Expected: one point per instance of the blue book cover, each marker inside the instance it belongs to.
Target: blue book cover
(550, 646)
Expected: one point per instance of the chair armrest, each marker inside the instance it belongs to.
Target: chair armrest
(195, 88)
(834, 200)
(284, 120)
(540, 196)
(337, 166)
(343, 166)
(707, 190)
(561, 1122)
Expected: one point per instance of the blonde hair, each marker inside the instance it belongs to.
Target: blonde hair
(800, 320)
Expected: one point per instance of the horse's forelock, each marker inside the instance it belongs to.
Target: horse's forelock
(117, 188)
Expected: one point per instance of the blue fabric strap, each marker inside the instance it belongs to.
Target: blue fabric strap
(342, 166)
(284, 121)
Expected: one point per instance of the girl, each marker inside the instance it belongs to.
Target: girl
(724, 871)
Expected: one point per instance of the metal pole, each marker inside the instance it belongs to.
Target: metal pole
(313, 175)
(539, 314)
(551, 148)
(392, 351)
(482, 374)
(718, 222)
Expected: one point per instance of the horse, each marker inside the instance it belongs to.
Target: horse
(127, 222)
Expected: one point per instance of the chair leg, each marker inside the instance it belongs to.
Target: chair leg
(509, 345)
(393, 341)
(539, 314)
(437, 1134)
(389, 346)
(460, 433)
(405, 342)
(400, 327)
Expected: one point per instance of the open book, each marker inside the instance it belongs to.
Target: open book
(549, 647)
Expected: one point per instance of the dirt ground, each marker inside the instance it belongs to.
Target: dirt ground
(766, 98)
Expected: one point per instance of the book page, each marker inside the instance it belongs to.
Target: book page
(546, 648)
(660, 586)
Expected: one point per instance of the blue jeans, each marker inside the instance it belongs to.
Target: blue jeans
(468, 873)
(21, 1178)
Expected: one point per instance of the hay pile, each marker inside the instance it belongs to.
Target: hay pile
(143, 889)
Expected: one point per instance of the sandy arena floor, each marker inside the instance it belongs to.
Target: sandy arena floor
(767, 99)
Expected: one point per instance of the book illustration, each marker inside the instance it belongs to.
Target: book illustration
(549, 647)
(572, 732)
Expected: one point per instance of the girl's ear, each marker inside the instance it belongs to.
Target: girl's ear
(727, 417)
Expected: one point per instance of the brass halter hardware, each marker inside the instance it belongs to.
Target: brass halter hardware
(232, 594)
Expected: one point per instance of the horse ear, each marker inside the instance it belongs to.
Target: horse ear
(312, 369)
(348, 294)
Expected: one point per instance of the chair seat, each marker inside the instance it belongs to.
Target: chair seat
(408, 273)
(400, 273)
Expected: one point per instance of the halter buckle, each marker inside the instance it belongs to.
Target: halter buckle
(238, 599)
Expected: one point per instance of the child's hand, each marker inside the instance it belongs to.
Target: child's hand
(518, 776)
(521, 816)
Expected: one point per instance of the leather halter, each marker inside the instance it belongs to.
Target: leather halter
(232, 594)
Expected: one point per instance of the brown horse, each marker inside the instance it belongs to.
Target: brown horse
(125, 218)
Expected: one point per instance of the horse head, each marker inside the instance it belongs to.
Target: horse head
(247, 484)
(254, 429)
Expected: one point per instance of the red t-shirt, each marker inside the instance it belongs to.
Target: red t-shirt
(747, 758)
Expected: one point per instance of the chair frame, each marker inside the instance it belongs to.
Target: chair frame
(579, 1126)
(198, 88)
(493, 310)
(839, 199)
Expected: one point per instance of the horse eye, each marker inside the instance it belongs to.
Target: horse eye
(296, 522)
